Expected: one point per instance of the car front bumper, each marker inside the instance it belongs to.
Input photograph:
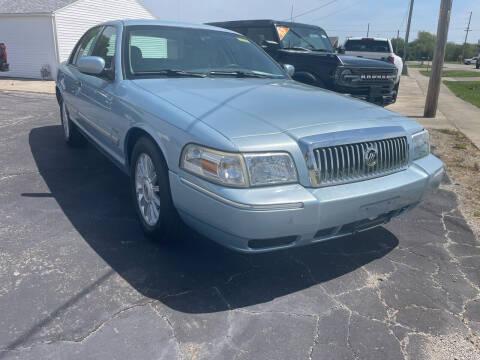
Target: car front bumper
(269, 218)
(380, 95)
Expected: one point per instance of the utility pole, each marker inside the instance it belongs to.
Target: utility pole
(398, 41)
(291, 12)
(368, 29)
(434, 83)
(407, 34)
(466, 36)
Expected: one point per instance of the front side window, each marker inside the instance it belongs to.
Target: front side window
(367, 45)
(310, 38)
(150, 50)
(85, 44)
(105, 46)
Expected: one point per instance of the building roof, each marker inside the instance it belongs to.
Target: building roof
(32, 6)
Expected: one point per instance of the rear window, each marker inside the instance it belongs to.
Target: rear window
(367, 45)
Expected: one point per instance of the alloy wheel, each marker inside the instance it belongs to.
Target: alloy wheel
(65, 124)
(146, 189)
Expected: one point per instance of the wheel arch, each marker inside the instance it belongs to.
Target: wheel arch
(310, 78)
(305, 75)
(133, 135)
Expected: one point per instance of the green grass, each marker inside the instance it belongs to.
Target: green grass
(466, 90)
(449, 132)
(461, 146)
(454, 73)
(419, 66)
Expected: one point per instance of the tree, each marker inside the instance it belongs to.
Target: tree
(422, 47)
(398, 45)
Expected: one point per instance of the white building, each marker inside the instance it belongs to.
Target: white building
(42, 33)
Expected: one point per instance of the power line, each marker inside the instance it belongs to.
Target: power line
(311, 10)
(336, 12)
(404, 17)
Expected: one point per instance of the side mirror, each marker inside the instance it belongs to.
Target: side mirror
(92, 65)
(341, 50)
(269, 45)
(289, 69)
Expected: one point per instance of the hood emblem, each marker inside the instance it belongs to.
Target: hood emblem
(370, 156)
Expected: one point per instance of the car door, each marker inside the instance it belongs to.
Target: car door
(70, 80)
(96, 91)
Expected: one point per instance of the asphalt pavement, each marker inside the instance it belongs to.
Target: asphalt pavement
(78, 280)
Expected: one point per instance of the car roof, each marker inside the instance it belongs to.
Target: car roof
(260, 22)
(139, 22)
(367, 37)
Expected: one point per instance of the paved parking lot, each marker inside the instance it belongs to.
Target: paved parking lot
(79, 281)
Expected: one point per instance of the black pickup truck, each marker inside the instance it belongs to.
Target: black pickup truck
(3, 58)
(309, 50)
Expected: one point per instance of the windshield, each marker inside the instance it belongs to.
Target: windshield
(367, 45)
(310, 38)
(174, 51)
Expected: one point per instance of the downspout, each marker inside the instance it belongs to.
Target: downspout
(55, 44)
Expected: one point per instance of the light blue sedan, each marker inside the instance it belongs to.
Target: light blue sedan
(213, 132)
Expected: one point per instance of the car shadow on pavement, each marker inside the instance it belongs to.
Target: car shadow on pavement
(94, 195)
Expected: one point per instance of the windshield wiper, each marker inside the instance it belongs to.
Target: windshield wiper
(321, 50)
(297, 48)
(237, 73)
(172, 73)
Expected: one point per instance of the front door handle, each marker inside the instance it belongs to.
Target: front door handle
(107, 98)
(79, 83)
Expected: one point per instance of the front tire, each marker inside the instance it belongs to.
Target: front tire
(151, 194)
(396, 88)
(71, 134)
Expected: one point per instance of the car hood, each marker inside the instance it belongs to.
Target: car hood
(355, 61)
(239, 108)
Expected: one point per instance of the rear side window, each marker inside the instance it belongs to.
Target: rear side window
(260, 34)
(154, 47)
(367, 45)
(84, 45)
(105, 46)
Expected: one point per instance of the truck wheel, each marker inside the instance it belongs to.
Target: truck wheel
(396, 91)
(151, 194)
(71, 134)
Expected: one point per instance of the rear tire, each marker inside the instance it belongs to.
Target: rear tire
(150, 188)
(71, 134)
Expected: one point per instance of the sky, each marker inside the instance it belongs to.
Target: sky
(341, 18)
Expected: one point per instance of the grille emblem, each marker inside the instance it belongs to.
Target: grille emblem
(370, 157)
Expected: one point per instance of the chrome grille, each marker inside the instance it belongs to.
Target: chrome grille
(375, 76)
(342, 164)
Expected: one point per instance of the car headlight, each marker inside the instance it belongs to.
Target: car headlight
(270, 168)
(421, 144)
(345, 76)
(238, 170)
(217, 166)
